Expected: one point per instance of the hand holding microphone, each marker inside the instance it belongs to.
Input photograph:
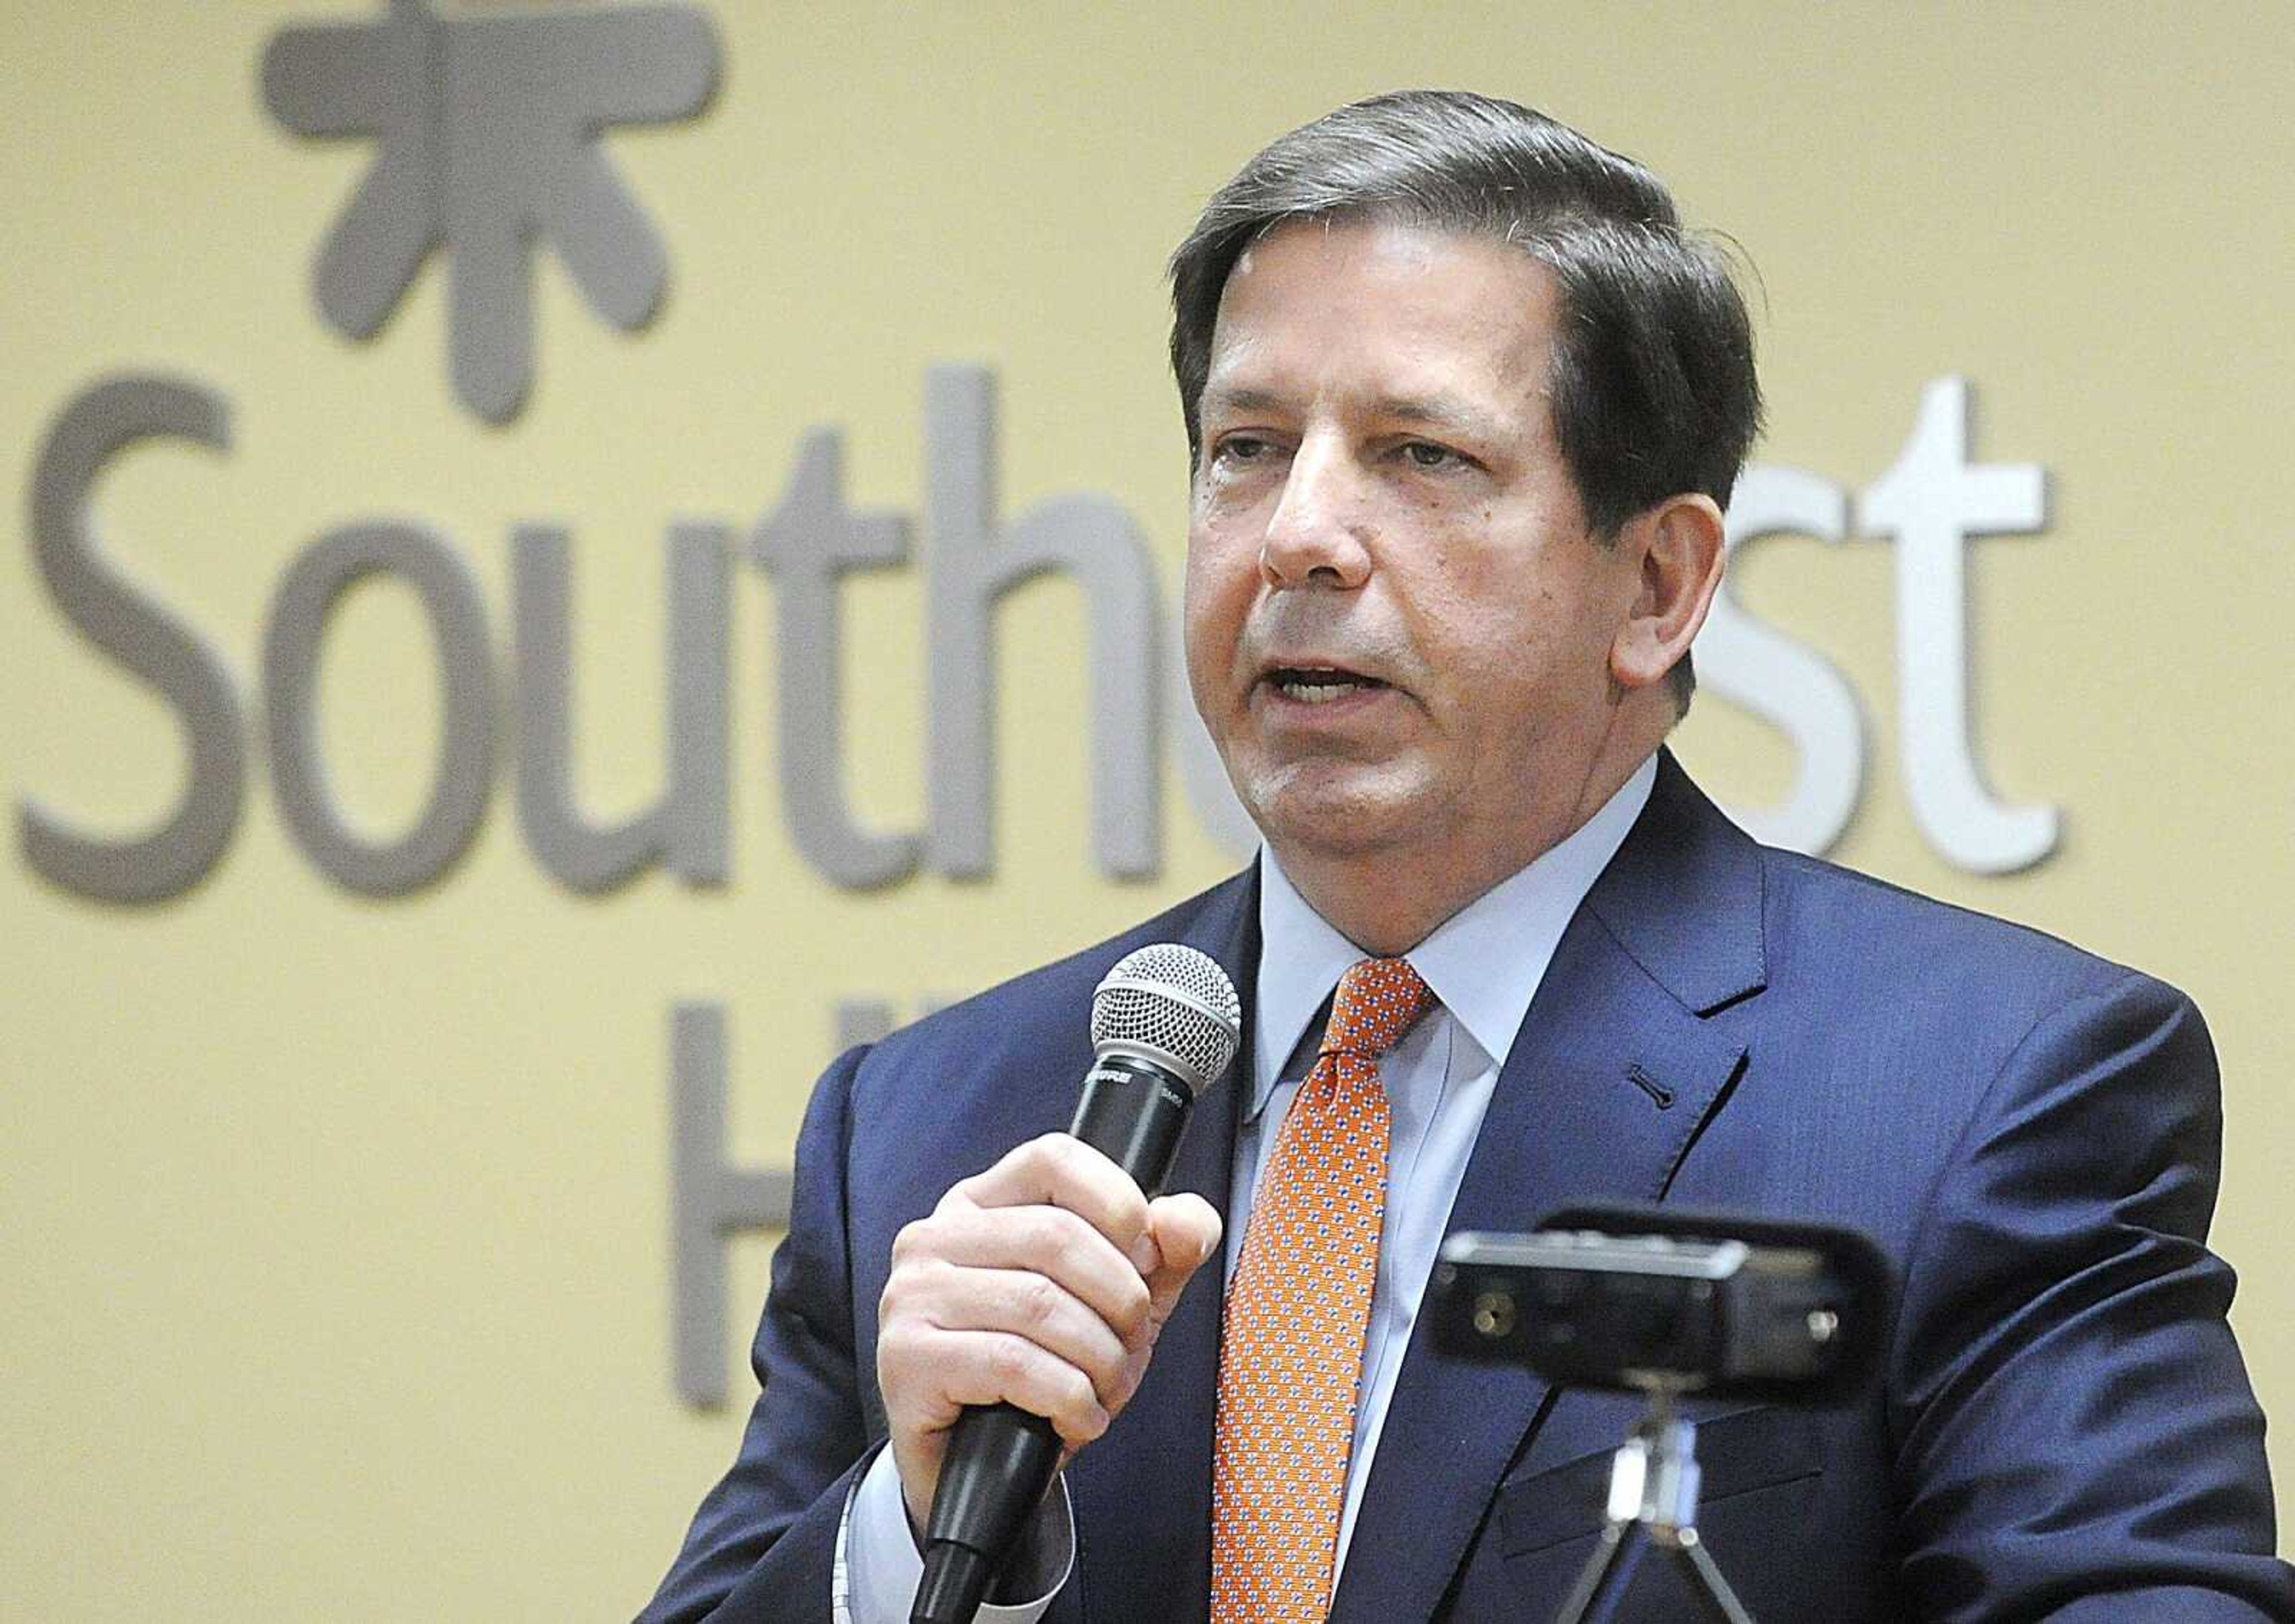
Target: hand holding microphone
(1019, 1317)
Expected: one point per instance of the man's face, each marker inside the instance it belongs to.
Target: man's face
(1398, 626)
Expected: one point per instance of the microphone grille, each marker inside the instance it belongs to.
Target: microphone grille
(1169, 1003)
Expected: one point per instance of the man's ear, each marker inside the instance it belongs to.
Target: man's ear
(1677, 546)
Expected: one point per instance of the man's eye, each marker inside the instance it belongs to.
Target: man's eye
(1424, 454)
(1241, 448)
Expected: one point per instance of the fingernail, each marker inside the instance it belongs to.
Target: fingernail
(1143, 1256)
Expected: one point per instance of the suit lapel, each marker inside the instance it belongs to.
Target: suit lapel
(1143, 1493)
(1612, 1078)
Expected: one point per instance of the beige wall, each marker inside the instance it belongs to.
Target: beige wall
(333, 1230)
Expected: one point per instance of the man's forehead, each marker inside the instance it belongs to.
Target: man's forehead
(1420, 324)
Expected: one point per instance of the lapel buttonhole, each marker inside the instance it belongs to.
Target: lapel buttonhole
(1658, 1092)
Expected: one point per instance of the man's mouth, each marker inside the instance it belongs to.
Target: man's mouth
(1319, 684)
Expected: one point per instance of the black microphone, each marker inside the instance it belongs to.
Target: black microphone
(1165, 1023)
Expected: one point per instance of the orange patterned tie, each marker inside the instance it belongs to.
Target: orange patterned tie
(1291, 1349)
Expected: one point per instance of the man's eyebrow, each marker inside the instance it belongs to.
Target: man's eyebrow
(1228, 398)
(1437, 411)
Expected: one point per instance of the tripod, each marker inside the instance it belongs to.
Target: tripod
(1653, 1501)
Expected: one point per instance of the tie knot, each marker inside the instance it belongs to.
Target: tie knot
(1376, 1004)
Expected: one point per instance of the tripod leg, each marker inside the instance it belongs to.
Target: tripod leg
(1605, 1575)
(1722, 1603)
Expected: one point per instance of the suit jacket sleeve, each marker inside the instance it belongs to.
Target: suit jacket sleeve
(762, 1544)
(2075, 1433)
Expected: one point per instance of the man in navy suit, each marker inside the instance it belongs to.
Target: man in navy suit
(1465, 405)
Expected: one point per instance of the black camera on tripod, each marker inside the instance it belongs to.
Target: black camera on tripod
(1666, 1303)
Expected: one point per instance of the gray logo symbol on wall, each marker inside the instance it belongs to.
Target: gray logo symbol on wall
(489, 129)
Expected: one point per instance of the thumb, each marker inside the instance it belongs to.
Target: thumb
(1185, 1231)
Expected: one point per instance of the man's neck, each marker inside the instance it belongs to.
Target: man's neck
(1388, 901)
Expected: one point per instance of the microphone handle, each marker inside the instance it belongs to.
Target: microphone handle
(1132, 1112)
(1001, 1459)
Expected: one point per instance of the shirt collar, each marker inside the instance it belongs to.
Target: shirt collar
(1483, 963)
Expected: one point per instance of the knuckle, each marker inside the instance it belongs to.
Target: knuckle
(1071, 1243)
(915, 1238)
(1134, 1309)
(902, 1364)
(1118, 1392)
(1110, 1386)
(900, 1287)
(1046, 1154)
(891, 1349)
(1127, 1218)
(1053, 1239)
(1084, 1418)
(1040, 1301)
(1088, 1425)
(1008, 1360)
(903, 1280)
(913, 1294)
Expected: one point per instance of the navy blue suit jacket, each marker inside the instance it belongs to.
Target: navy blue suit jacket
(2064, 1427)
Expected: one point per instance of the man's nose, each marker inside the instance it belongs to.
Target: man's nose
(1317, 532)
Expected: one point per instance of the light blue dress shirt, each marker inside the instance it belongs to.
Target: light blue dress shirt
(1483, 965)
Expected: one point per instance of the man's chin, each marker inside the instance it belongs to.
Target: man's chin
(1338, 815)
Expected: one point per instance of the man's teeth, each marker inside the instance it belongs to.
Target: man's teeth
(1320, 687)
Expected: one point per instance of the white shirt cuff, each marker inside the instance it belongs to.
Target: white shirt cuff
(876, 1566)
